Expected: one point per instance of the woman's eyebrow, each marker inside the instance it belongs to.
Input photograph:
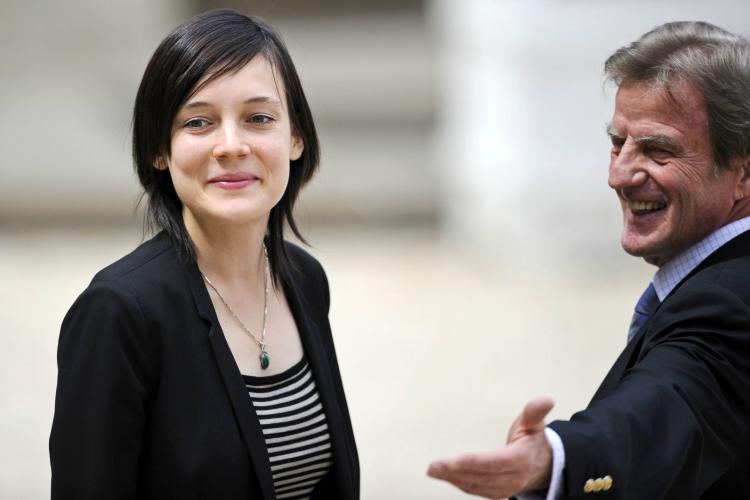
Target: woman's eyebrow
(251, 100)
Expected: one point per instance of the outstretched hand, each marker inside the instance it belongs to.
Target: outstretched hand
(523, 464)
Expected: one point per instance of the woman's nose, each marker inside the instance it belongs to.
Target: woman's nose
(231, 143)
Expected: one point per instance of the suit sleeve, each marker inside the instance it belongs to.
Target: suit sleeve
(102, 392)
(674, 423)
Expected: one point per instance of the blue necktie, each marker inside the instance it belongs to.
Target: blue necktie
(645, 307)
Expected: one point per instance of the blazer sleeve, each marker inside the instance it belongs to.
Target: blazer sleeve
(102, 392)
(327, 489)
(675, 422)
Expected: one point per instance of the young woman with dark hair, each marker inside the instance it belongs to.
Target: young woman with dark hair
(201, 365)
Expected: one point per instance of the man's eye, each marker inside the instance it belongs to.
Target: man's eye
(196, 123)
(657, 151)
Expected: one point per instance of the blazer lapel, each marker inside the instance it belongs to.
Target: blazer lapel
(247, 420)
(625, 360)
(734, 248)
(320, 362)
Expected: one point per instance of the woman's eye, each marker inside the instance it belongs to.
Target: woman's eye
(196, 123)
(260, 119)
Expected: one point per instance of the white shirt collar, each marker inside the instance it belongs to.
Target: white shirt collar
(671, 273)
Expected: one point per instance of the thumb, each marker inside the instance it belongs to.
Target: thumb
(532, 418)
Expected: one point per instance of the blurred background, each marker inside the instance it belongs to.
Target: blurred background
(461, 211)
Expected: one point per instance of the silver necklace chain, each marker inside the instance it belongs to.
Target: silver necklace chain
(262, 340)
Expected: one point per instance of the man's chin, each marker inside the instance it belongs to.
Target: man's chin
(645, 252)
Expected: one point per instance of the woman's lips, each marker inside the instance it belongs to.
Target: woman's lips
(233, 181)
(233, 184)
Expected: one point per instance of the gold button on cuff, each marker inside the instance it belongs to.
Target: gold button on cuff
(589, 486)
(598, 484)
(607, 482)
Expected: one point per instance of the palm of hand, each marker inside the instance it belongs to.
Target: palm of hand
(523, 464)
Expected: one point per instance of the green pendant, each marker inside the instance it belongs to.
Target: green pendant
(265, 359)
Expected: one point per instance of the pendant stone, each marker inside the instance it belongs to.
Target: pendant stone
(265, 359)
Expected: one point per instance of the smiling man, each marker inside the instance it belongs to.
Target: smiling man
(671, 420)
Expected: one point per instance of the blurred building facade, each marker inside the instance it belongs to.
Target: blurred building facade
(475, 123)
(483, 119)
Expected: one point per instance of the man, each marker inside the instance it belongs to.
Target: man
(671, 420)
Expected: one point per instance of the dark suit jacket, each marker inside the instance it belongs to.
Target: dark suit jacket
(150, 402)
(671, 419)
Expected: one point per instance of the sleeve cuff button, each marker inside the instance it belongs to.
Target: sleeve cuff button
(588, 487)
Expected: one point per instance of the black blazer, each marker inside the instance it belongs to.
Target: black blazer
(150, 403)
(671, 419)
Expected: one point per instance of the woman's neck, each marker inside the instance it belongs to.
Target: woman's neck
(231, 254)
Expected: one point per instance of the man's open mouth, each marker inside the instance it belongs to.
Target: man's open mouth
(646, 207)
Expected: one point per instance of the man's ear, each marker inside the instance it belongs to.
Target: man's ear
(742, 166)
(296, 148)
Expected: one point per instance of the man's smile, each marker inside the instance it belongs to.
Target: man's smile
(639, 207)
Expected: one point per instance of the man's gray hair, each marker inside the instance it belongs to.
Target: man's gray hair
(714, 61)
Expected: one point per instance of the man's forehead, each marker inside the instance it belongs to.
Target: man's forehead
(646, 106)
(679, 97)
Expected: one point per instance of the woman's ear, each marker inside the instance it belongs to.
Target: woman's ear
(296, 148)
(160, 163)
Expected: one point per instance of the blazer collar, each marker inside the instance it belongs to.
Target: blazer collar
(320, 361)
(736, 247)
(247, 419)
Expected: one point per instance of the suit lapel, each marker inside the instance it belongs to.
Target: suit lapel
(320, 362)
(625, 360)
(246, 418)
(734, 248)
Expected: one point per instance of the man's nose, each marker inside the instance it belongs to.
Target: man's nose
(231, 142)
(627, 168)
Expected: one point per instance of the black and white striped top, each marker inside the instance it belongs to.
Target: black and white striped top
(295, 429)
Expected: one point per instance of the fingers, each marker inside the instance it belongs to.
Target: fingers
(508, 470)
(496, 484)
(532, 417)
(477, 488)
(494, 466)
(487, 462)
(475, 463)
(451, 470)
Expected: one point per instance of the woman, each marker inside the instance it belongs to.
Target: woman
(201, 365)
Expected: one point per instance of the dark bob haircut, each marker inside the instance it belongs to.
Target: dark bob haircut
(204, 48)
